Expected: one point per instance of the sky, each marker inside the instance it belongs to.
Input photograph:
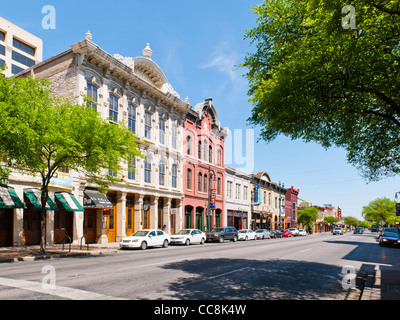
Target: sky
(198, 45)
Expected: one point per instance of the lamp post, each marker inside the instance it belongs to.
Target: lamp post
(209, 198)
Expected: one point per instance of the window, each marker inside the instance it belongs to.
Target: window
(237, 191)
(23, 47)
(229, 189)
(219, 157)
(161, 173)
(219, 186)
(112, 173)
(92, 93)
(210, 154)
(199, 150)
(205, 150)
(2, 62)
(174, 176)
(113, 108)
(147, 125)
(276, 202)
(269, 199)
(15, 69)
(2, 36)
(245, 192)
(200, 181)
(188, 145)
(132, 117)
(189, 179)
(131, 168)
(205, 183)
(2, 50)
(174, 134)
(161, 126)
(147, 170)
(22, 59)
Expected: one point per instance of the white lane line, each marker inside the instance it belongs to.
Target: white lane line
(305, 250)
(63, 292)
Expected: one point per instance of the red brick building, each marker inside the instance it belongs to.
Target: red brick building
(291, 199)
(203, 168)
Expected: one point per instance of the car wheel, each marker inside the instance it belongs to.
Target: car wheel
(247, 238)
(143, 245)
(202, 241)
(187, 242)
(221, 239)
(234, 239)
(165, 244)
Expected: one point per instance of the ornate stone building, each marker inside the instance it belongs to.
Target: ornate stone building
(136, 91)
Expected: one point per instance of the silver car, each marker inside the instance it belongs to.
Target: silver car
(263, 234)
(337, 231)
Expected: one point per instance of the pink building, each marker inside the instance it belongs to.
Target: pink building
(203, 168)
(291, 199)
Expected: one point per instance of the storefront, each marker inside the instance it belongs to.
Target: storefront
(8, 202)
(237, 219)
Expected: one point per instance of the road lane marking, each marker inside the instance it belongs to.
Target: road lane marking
(305, 250)
(60, 291)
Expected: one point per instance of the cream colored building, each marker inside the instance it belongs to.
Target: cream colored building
(19, 49)
(134, 90)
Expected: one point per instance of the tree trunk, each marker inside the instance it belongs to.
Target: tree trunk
(43, 196)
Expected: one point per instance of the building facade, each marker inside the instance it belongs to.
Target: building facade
(291, 208)
(19, 49)
(237, 198)
(133, 90)
(203, 169)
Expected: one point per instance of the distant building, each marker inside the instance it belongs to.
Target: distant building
(19, 49)
(291, 207)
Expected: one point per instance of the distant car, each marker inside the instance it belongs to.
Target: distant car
(222, 234)
(246, 234)
(375, 228)
(286, 233)
(337, 231)
(302, 232)
(294, 231)
(263, 234)
(276, 234)
(146, 238)
(390, 239)
(189, 236)
(358, 230)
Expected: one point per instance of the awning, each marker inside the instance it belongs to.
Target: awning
(69, 202)
(34, 197)
(95, 200)
(9, 199)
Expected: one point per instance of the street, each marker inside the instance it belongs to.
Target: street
(302, 268)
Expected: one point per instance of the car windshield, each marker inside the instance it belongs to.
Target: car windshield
(292, 229)
(184, 232)
(338, 229)
(141, 233)
(217, 229)
(390, 230)
(242, 231)
(260, 231)
(390, 235)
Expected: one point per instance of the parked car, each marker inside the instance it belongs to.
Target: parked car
(302, 232)
(358, 230)
(294, 231)
(386, 229)
(222, 234)
(276, 234)
(263, 234)
(146, 238)
(286, 233)
(189, 236)
(337, 231)
(390, 239)
(246, 234)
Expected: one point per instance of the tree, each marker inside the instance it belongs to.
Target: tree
(41, 133)
(313, 79)
(351, 221)
(307, 216)
(381, 209)
(331, 220)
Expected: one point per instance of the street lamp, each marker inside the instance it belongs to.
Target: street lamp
(209, 198)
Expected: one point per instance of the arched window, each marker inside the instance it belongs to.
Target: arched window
(219, 157)
(210, 154)
(199, 150)
(200, 181)
(147, 170)
(205, 150)
(161, 173)
(174, 176)
(219, 186)
(189, 179)
(188, 145)
(205, 183)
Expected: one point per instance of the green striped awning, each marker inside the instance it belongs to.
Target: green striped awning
(9, 199)
(34, 197)
(69, 202)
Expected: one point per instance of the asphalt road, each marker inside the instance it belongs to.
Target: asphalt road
(303, 268)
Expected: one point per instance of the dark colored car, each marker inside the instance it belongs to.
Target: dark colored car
(222, 234)
(390, 239)
(358, 230)
(375, 228)
(394, 230)
(276, 234)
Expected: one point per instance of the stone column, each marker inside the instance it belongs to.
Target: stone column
(138, 211)
(154, 212)
(166, 213)
(179, 215)
(121, 216)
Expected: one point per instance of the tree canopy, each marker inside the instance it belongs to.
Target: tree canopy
(313, 79)
(381, 209)
(307, 216)
(41, 133)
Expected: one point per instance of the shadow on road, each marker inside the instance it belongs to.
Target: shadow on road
(213, 279)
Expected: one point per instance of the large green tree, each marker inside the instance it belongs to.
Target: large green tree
(41, 133)
(313, 78)
(307, 216)
(381, 209)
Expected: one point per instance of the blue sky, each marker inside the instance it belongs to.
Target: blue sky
(198, 44)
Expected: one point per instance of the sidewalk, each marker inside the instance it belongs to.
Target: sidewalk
(31, 253)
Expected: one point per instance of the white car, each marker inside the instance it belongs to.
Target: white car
(189, 236)
(302, 232)
(246, 234)
(146, 238)
(294, 231)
